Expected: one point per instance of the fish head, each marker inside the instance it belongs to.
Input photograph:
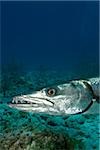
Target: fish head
(69, 98)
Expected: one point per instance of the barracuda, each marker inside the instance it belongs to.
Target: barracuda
(74, 97)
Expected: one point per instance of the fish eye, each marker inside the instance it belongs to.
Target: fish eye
(51, 92)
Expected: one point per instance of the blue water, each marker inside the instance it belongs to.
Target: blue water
(55, 35)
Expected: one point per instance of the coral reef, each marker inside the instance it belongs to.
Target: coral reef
(21, 130)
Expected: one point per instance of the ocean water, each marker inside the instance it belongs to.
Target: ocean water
(46, 43)
(57, 35)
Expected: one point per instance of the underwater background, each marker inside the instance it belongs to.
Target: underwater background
(45, 43)
(58, 35)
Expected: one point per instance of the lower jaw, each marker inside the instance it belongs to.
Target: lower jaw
(35, 108)
(23, 105)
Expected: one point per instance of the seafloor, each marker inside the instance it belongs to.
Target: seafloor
(28, 131)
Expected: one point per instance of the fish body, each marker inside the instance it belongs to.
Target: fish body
(74, 97)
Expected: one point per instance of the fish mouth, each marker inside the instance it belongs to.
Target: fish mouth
(32, 103)
(26, 101)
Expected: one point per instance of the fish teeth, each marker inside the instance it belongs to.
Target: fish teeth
(20, 101)
(13, 101)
